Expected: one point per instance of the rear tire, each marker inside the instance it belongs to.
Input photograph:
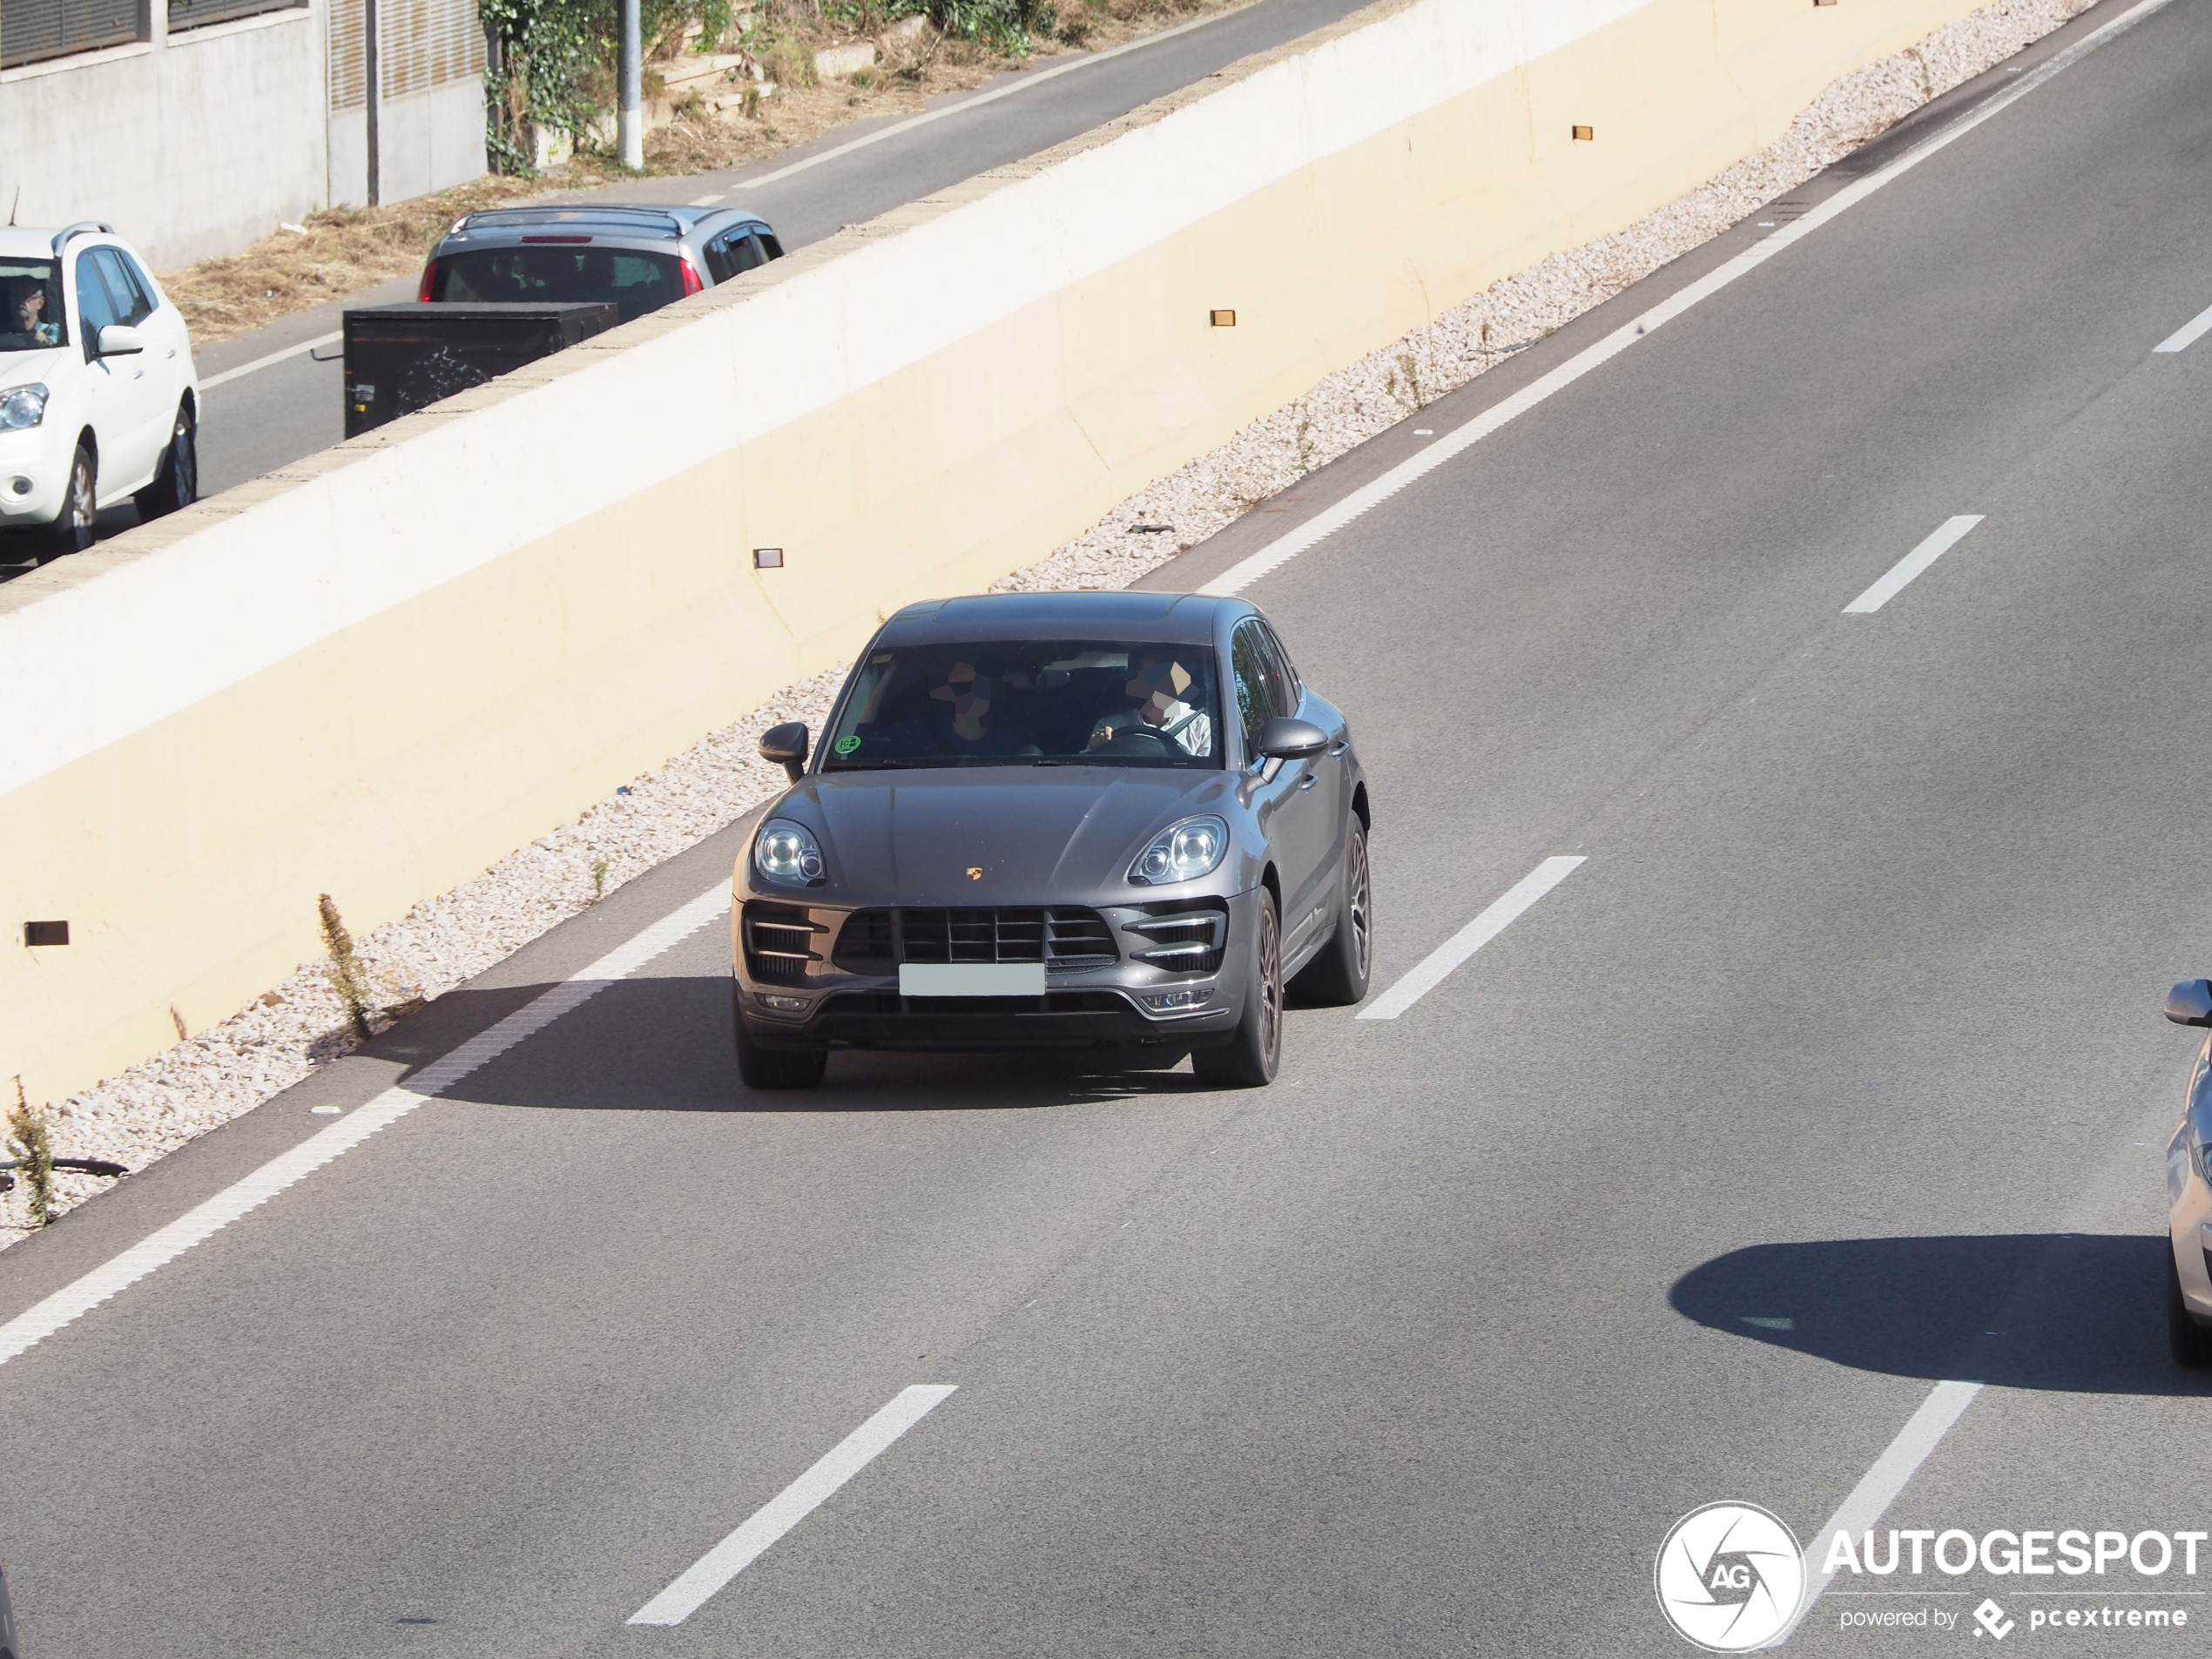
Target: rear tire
(2191, 1342)
(78, 527)
(1249, 1059)
(1337, 977)
(178, 482)
(762, 1069)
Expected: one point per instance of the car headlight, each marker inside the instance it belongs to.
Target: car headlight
(22, 407)
(787, 853)
(1182, 853)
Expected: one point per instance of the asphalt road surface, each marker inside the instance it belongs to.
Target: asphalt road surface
(1833, 1073)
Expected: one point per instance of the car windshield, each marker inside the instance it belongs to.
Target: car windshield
(1030, 703)
(637, 282)
(31, 306)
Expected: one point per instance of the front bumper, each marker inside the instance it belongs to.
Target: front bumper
(1095, 1007)
(33, 456)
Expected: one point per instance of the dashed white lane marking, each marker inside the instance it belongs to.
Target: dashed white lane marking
(1325, 524)
(286, 356)
(195, 1226)
(2189, 333)
(706, 201)
(792, 1505)
(1953, 532)
(1871, 1499)
(1463, 944)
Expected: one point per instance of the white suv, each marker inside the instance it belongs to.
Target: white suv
(99, 397)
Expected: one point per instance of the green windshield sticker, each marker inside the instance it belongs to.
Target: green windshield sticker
(846, 745)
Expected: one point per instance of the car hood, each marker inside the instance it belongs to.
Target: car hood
(1039, 836)
(21, 368)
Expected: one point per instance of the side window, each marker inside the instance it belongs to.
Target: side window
(727, 255)
(130, 305)
(1248, 662)
(94, 309)
(143, 303)
(770, 245)
(1285, 681)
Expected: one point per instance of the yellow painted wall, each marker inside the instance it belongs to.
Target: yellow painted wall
(406, 751)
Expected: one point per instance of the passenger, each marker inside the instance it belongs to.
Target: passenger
(26, 304)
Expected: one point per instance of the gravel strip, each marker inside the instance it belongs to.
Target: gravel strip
(284, 1034)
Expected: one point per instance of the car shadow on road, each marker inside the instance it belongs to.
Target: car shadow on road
(666, 1044)
(2074, 1312)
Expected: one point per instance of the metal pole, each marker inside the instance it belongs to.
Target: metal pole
(372, 77)
(633, 90)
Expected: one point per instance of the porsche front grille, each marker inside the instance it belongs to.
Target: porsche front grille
(880, 941)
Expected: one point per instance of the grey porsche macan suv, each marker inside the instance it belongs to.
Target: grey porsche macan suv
(1078, 820)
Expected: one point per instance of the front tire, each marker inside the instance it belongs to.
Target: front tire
(1249, 1059)
(764, 1068)
(1337, 977)
(178, 482)
(78, 527)
(2191, 1342)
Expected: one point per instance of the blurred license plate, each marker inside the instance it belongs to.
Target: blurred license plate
(971, 978)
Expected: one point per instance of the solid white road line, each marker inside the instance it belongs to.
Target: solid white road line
(791, 1505)
(1871, 1499)
(1325, 524)
(2189, 333)
(1953, 532)
(195, 1226)
(288, 352)
(1463, 944)
(1021, 86)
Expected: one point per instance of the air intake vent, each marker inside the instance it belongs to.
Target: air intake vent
(779, 942)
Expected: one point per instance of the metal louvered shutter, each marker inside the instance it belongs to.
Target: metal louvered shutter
(32, 30)
(347, 81)
(198, 14)
(427, 44)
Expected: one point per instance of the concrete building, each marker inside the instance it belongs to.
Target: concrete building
(195, 126)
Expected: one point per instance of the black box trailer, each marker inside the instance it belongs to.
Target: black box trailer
(400, 359)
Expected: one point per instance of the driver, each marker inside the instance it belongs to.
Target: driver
(1159, 684)
(26, 302)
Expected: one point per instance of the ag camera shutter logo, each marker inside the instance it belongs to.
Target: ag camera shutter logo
(1729, 1577)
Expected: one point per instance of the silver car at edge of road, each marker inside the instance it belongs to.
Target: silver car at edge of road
(2188, 1193)
(639, 258)
(1114, 821)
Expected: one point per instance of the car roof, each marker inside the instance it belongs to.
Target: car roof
(650, 221)
(35, 242)
(1170, 618)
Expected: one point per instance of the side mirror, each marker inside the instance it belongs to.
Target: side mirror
(2190, 1002)
(1282, 738)
(785, 745)
(120, 340)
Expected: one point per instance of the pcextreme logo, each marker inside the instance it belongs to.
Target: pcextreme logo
(1729, 1577)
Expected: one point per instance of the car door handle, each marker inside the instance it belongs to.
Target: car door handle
(1338, 748)
(1307, 782)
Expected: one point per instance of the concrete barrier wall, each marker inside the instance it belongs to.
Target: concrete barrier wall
(378, 671)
